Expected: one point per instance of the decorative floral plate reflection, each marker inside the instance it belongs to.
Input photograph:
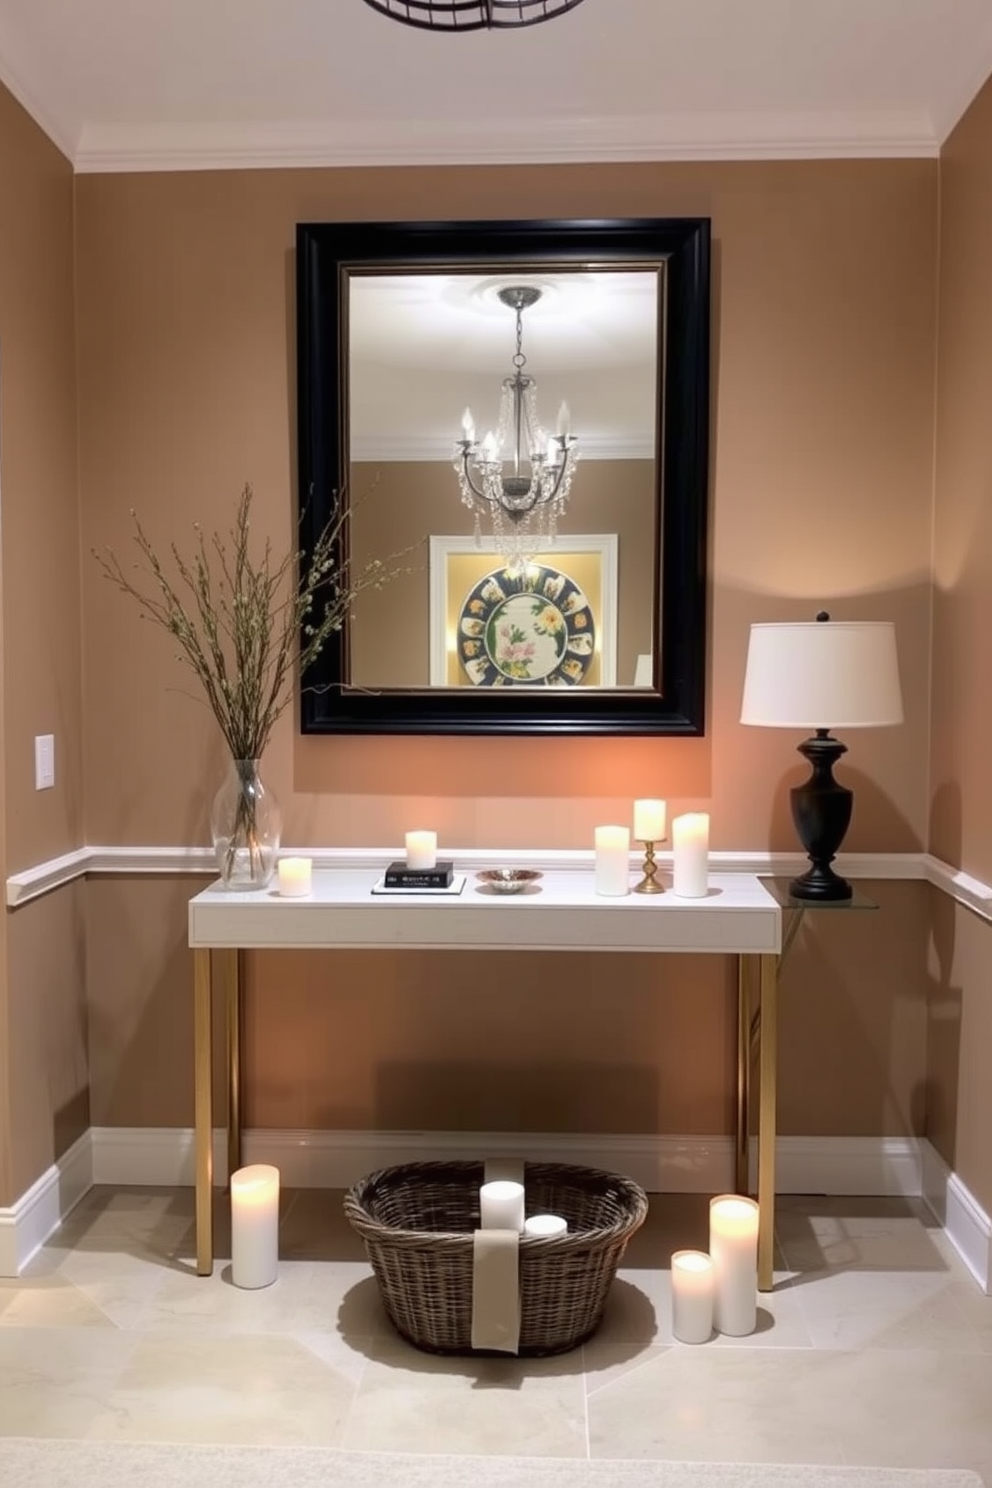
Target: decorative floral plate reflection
(532, 629)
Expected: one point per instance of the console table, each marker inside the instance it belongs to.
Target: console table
(738, 917)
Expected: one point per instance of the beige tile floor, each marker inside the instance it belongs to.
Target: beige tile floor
(874, 1348)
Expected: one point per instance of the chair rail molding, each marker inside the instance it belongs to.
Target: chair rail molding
(31, 883)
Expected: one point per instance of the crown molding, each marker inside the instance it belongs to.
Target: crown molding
(717, 136)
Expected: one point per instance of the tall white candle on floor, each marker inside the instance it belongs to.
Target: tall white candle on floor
(649, 821)
(692, 1296)
(501, 1205)
(421, 849)
(613, 860)
(690, 854)
(734, 1248)
(254, 1225)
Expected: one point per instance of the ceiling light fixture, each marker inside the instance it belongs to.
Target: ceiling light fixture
(471, 15)
(524, 508)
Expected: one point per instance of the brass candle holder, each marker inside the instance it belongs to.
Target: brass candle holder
(649, 883)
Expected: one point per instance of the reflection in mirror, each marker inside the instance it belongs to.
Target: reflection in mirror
(524, 405)
(428, 354)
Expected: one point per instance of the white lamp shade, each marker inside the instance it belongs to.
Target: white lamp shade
(839, 674)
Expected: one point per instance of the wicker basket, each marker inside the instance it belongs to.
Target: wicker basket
(417, 1222)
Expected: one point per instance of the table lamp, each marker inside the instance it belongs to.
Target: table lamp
(822, 674)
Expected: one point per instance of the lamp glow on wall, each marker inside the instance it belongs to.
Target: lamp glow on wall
(822, 674)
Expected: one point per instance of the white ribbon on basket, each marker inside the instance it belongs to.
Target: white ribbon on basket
(496, 1290)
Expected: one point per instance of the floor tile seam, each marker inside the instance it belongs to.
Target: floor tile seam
(585, 1405)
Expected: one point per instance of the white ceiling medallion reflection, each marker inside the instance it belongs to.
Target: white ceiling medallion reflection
(471, 15)
(519, 477)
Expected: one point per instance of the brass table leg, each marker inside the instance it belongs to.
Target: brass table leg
(203, 1112)
(745, 966)
(232, 1000)
(768, 1074)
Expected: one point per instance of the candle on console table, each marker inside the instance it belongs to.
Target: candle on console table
(692, 1296)
(690, 854)
(254, 1225)
(734, 1248)
(650, 821)
(501, 1205)
(295, 877)
(421, 849)
(612, 860)
(545, 1225)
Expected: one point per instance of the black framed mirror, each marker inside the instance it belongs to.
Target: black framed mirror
(557, 571)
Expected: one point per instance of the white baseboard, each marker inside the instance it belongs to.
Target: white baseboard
(846, 1165)
(964, 1221)
(164, 1157)
(336, 1159)
(662, 1164)
(27, 1224)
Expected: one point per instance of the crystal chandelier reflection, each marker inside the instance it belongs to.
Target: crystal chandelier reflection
(519, 477)
(471, 15)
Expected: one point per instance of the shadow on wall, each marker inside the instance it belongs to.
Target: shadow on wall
(529, 1097)
(945, 993)
(853, 1019)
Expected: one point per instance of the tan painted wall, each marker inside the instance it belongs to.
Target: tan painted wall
(822, 402)
(824, 324)
(42, 987)
(961, 802)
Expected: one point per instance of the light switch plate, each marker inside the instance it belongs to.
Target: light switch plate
(44, 761)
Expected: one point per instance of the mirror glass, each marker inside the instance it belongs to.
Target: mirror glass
(422, 348)
(554, 579)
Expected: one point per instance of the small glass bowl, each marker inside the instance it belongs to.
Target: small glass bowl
(508, 880)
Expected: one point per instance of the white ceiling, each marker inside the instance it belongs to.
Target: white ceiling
(172, 84)
(423, 346)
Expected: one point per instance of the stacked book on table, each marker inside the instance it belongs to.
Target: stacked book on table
(401, 879)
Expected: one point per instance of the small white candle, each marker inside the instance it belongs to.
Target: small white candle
(254, 1225)
(649, 821)
(690, 854)
(295, 877)
(421, 849)
(545, 1224)
(734, 1248)
(501, 1205)
(613, 860)
(692, 1296)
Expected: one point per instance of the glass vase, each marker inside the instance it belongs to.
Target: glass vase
(245, 825)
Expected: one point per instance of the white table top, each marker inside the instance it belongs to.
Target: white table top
(562, 912)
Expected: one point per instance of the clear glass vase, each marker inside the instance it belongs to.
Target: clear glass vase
(245, 825)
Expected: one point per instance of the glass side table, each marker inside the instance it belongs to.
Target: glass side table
(757, 1033)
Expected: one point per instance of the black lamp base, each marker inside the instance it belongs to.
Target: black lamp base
(821, 810)
(820, 885)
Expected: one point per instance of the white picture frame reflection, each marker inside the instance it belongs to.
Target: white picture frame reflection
(562, 614)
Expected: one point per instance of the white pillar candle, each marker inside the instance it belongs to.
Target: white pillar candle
(295, 877)
(649, 820)
(545, 1224)
(613, 860)
(421, 849)
(692, 1296)
(734, 1248)
(690, 854)
(501, 1205)
(254, 1225)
